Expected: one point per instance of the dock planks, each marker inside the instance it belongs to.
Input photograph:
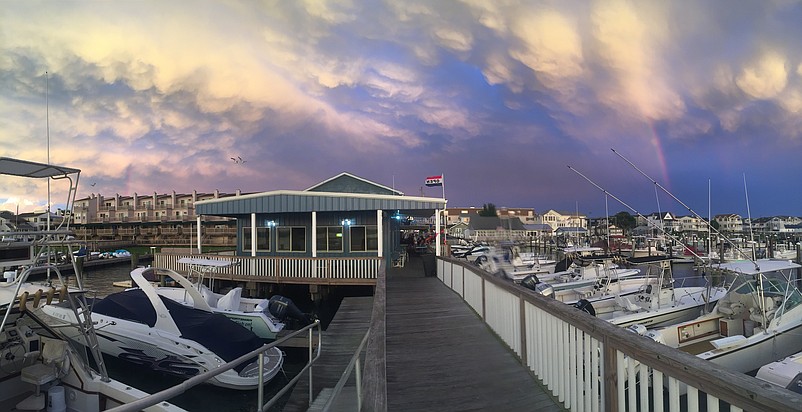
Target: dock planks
(442, 357)
(339, 341)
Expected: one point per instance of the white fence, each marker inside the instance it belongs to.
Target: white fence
(591, 365)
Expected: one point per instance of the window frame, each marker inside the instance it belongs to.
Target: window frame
(327, 239)
(246, 237)
(291, 229)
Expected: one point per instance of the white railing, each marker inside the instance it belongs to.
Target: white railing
(591, 365)
(282, 269)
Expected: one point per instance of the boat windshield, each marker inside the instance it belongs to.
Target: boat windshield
(778, 289)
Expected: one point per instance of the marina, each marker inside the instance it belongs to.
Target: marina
(432, 331)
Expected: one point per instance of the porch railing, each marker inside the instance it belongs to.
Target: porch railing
(284, 269)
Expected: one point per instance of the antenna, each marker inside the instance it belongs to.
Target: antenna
(710, 227)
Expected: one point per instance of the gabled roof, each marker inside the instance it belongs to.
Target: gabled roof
(484, 223)
(348, 183)
(541, 227)
(495, 222)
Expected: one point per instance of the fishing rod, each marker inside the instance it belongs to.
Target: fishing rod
(636, 212)
(710, 227)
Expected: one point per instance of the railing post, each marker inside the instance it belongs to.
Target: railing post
(310, 367)
(610, 368)
(261, 390)
(358, 385)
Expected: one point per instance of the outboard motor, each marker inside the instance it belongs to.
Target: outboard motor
(283, 307)
(585, 306)
(531, 282)
(638, 328)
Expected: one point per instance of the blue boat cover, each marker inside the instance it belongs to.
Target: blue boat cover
(216, 332)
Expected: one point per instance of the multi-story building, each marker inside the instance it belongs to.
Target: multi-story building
(729, 223)
(464, 214)
(691, 225)
(562, 220)
(153, 219)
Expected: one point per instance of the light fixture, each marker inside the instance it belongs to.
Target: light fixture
(346, 222)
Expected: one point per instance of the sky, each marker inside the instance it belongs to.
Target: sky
(498, 96)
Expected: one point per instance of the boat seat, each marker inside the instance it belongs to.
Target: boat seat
(231, 300)
(209, 296)
(770, 307)
(732, 310)
(627, 304)
(54, 365)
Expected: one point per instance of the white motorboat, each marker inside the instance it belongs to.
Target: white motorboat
(758, 321)
(142, 327)
(786, 373)
(264, 317)
(658, 301)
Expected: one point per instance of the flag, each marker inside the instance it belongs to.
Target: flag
(434, 180)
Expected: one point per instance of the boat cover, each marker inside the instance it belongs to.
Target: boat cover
(226, 338)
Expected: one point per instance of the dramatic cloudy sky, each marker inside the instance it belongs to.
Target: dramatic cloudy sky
(498, 95)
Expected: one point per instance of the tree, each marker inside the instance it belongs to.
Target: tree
(625, 221)
(488, 209)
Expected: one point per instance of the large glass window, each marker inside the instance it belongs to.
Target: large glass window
(291, 239)
(364, 238)
(329, 239)
(262, 238)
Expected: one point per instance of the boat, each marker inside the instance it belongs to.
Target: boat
(758, 320)
(786, 373)
(264, 317)
(658, 301)
(144, 328)
(38, 366)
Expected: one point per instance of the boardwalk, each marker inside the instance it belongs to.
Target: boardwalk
(442, 357)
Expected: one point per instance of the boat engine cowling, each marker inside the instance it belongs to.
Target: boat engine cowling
(283, 308)
(531, 282)
(585, 306)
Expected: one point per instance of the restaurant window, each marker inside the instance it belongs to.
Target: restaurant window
(262, 238)
(329, 239)
(292, 239)
(364, 238)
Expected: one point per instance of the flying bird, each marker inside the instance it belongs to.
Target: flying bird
(93, 184)
(238, 160)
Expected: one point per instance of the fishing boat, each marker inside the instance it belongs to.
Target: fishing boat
(264, 317)
(144, 328)
(38, 366)
(659, 301)
(758, 320)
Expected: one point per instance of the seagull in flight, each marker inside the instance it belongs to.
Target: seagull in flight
(93, 184)
(238, 160)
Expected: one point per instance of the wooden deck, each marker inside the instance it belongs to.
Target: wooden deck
(442, 357)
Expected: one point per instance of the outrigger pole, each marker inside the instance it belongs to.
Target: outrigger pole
(634, 210)
(710, 227)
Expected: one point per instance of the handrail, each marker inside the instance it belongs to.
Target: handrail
(347, 374)
(182, 387)
(374, 384)
(373, 396)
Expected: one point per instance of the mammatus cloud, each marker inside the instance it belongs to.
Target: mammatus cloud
(159, 96)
